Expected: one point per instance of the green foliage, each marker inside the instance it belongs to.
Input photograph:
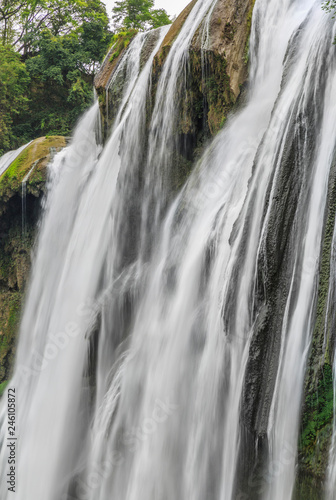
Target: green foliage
(14, 81)
(61, 77)
(329, 6)
(249, 25)
(249, 16)
(9, 320)
(121, 41)
(47, 72)
(138, 14)
(159, 17)
(15, 166)
(21, 22)
(3, 388)
(319, 407)
(50, 52)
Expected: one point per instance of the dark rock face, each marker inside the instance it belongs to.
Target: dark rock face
(318, 401)
(287, 199)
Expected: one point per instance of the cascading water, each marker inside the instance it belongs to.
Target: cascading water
(315, 111)
(142, 374)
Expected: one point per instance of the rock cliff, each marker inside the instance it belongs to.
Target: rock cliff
(208, 96)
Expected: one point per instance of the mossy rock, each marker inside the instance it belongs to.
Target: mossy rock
(317, 426)
(34, 161)
(120, 42)
(317, 412)
(307, 488)
(3, 388)
(173, 34)
(9, 321)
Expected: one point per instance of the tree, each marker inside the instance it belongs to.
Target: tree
(51, 51)
(22, 21)
(14, 82)
(159, 17)
(138, 14)
(9, 12)
(94, 34)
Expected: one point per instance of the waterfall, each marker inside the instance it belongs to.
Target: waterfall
(164, 340)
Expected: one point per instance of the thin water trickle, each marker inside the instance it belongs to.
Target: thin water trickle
(24, 207)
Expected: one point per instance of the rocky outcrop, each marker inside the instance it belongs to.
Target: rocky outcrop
(318, 401)
(215, 75)
(203, 110)
(18, 225)
(230, 29)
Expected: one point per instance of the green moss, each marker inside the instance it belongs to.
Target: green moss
(249, 26)
(249, 17)
(120, 42)
(9, 322)
(36, 154)
(36, 151)
(5, 265)
(218, 92)
(18, 165)
(308, 489)
(317, 415)
(319, 411)
(15, 248)
(173, 34)
(3, 388)
(322, 303)
(14, 269)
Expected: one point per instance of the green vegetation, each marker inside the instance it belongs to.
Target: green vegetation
(319, 407)
(121, 41)
(36, 155)
(317, 424)
(329, 6)
(249, 17)
(49, 54)
(14, 84)
(317, 418)
(138, 14)
(15, 248)
(249, 26)
(9, 321)
(3, 388)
